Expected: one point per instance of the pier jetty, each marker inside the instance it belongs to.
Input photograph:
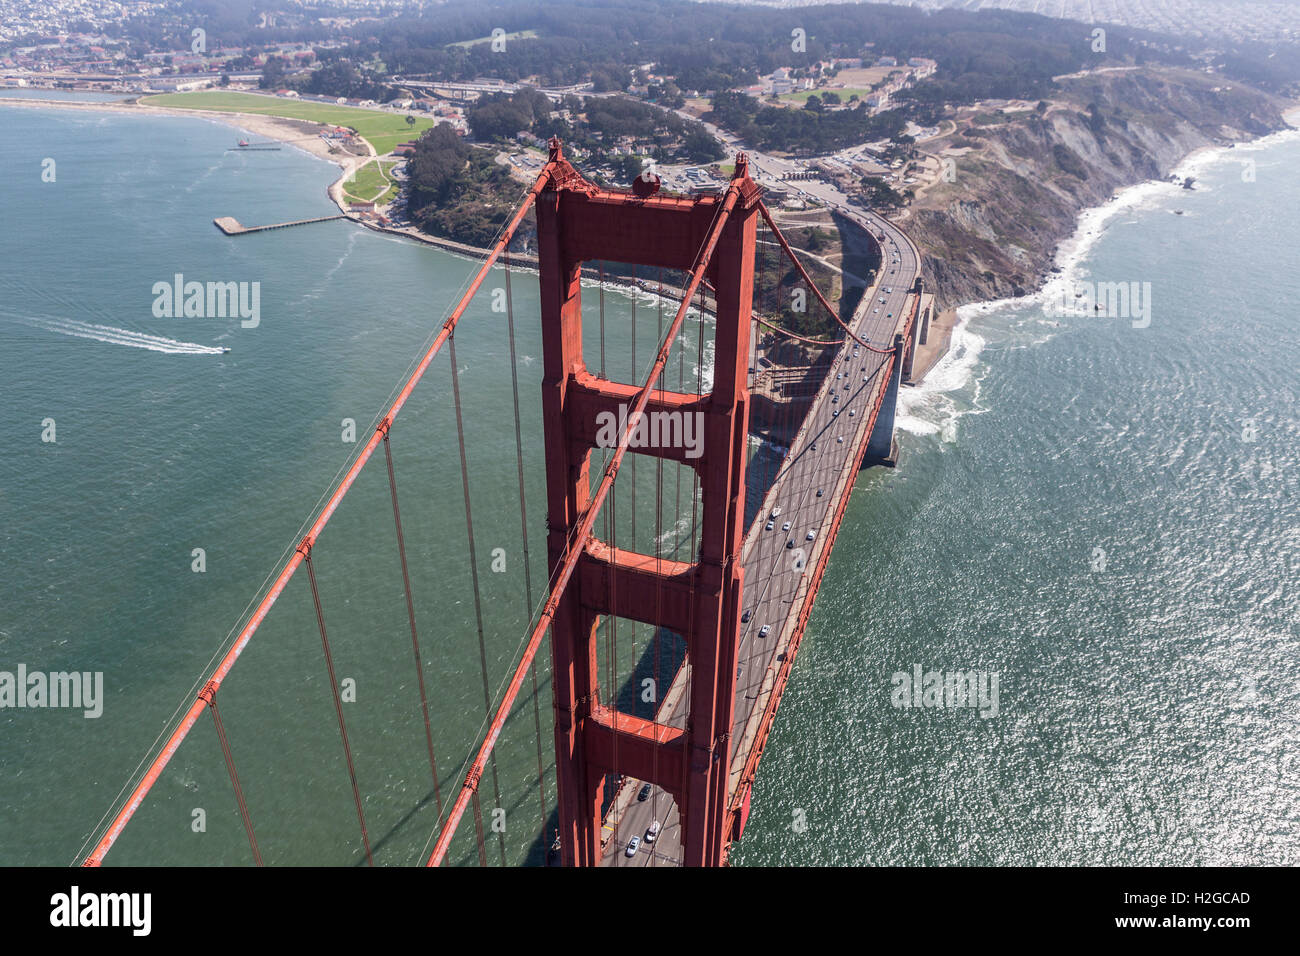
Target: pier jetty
(232, 226)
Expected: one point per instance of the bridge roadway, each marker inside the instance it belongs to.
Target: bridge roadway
(817, 474)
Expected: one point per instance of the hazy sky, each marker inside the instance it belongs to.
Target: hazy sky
(1238, 19)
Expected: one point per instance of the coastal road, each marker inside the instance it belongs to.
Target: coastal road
(821, 463)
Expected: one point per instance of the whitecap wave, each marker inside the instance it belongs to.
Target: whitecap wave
(930, 408)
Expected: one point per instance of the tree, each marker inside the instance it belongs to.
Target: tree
(272, 74)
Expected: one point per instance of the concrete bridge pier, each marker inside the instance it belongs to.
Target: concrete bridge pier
(880, 446)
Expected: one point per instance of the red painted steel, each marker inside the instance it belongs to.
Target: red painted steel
(745, 785)
(577, 221)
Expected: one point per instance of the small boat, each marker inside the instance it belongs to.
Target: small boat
(224, 349)
(243, 142)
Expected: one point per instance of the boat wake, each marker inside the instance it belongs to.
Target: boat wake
(116, 336)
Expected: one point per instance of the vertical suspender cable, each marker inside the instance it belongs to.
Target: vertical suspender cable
(631, 463)
(478, 830)
(385, 426)
(523, 523)
(473, 568)
(305, 550)
(210, 695)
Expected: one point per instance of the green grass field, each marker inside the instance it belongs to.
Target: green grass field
(382, 130)
(368, 184)
(802, 96)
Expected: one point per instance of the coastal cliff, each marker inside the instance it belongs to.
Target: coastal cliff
(1020, 179)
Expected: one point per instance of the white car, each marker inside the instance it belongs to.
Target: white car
(776, 512)
(786, 526)
(764, 631)
(810, 535)
(632, 846)
(652, 832)
(770, 525)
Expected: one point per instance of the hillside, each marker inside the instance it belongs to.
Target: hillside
(1020, 184)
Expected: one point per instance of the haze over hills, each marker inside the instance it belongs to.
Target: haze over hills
(1260, 20)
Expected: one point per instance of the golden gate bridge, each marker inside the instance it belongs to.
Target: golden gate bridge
(733, 595)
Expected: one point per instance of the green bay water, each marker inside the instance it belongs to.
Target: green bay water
(164, 444)
(1146, 712)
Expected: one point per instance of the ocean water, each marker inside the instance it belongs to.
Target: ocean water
(163, 443)
(1103, 513)
(1146, 711)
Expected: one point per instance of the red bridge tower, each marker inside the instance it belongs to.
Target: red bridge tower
(578, 221)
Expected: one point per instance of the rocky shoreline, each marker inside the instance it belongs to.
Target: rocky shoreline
(1106, 133)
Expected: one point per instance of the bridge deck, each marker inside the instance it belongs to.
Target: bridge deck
(778, 591)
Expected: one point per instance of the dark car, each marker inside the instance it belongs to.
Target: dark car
(644, 794)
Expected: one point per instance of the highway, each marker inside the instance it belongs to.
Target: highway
(814, 474)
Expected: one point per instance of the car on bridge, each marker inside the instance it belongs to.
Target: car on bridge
(644, 795)
(786, 526)
(766, 629)
(632, 846)
(811, 535)
(770, 523)
(652, 832)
